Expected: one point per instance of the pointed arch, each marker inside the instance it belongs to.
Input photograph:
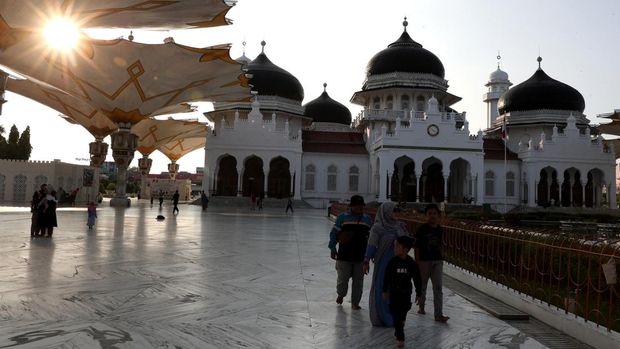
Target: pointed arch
(227, 176)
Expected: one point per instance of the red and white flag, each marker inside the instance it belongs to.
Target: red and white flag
(504, 130)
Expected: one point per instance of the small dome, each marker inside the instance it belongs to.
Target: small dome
(498, 75)
(244, 60)
(541, 91)
(325, 109)
(270, 80)
(406, 56)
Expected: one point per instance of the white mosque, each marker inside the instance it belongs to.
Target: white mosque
(408, 144)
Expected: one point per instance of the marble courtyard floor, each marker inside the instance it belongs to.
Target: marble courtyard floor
(220, 279)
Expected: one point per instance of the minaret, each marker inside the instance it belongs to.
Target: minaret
(498, 84)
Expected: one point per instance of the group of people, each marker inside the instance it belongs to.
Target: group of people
(43, 209)
(355, 242)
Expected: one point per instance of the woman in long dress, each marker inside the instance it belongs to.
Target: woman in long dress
(380, 250)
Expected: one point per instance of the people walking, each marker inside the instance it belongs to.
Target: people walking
(399, 272)
(204, 200)
(161, 198)
(289, 206)
(348, 240)
(47, 214)
(37, 197)
(92, 215)
(259, 202)
(428, 254)
(175, 202)
(383, 234)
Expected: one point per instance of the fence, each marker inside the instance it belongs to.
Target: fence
(562, 272)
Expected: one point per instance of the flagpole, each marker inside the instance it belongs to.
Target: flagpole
(505, 167)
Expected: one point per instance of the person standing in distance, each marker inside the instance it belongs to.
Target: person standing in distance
(350, 235)
(175, 202)
(428, 254)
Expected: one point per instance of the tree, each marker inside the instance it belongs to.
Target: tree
(111, 186)
(2, 143)
(15, 147)
(23, 145)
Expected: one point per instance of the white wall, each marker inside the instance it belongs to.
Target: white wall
(54, 173)
(320, 196)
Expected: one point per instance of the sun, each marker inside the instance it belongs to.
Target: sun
(62, 34)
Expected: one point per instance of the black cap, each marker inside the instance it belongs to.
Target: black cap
(357, 200)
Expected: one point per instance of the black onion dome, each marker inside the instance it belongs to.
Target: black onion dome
(541, 92)
(270, 80)
(325, 109)
(407, 56)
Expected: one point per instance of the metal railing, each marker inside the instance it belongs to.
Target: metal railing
(561, 271)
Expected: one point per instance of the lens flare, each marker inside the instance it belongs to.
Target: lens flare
(62, 34)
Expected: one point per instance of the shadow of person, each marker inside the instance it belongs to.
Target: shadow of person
(40, 259)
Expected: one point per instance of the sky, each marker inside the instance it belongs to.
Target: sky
(332, 41)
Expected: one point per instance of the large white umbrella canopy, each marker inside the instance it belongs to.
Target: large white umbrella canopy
(32, 14)
(176, 149)
(124, 80)
(76, 111)
(157, 133)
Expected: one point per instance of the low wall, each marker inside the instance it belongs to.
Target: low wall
(586, 332)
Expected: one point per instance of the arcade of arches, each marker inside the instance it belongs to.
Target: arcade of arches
(431, 184)
(249, 180)
(570, 189)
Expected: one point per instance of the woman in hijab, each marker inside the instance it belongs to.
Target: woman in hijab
(380, 250)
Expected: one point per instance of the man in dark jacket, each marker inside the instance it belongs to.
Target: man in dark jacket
(350, 234)
(175, 202)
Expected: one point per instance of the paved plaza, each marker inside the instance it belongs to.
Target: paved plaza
(241, 279)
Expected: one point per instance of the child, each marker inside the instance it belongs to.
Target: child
(401, 269)
(92, 214)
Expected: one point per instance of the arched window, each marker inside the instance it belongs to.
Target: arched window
(419, 105)
(309, 178)
(354, 176)
(389, 102)
(489, 183)
(404, 102)
(332, 178)
(19, 188)
(38, 181)
(510, 184)
(376, 103)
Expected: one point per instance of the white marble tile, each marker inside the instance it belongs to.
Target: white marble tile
(216, 280)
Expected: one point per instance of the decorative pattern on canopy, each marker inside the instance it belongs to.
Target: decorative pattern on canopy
(147, 14)
(129, 81)
(156, 133)
(178, 148)
(75, 110)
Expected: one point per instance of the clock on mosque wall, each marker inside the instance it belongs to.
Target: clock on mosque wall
(432, 130)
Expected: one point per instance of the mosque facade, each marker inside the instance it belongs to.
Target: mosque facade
(408, 144)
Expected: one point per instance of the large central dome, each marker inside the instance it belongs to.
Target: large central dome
(406, 56)
(541, 91)
(270, 80)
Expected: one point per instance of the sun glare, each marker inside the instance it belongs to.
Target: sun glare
(61, 34)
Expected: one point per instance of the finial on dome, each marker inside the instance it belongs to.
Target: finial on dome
(243, 43)
(130, 37)
(499, 58)
(263, 43)
(405, 23)
(539, 59)
(324, 87)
